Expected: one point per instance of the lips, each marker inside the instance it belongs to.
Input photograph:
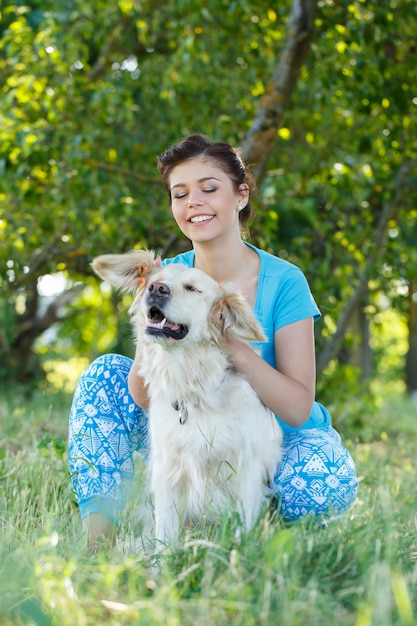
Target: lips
(158, 325)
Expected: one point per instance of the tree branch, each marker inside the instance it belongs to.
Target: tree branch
(125, 31)
(34, 327)
(261, 138)
(114, 169)
(388, 213)
(103, 61)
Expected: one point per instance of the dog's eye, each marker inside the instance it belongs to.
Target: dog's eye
(191, 288)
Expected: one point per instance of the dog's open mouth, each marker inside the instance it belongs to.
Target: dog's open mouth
(157, 324)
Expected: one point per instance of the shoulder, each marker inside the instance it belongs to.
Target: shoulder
(185, 258)
(275, 267)
(284, 293)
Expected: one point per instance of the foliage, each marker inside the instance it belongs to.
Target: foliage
(355, 131)
(357, 570)
(353, 401)
(92, 92)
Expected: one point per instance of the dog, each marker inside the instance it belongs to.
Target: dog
(214, 447)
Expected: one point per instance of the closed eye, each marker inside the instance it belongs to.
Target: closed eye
(191, 288)
(179, 195)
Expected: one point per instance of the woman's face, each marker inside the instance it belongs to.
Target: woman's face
(204, 200)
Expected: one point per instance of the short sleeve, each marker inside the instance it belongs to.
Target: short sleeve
(293, 301)
(185, 258)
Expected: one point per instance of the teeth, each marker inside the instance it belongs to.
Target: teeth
(201, 218)
(159, 325)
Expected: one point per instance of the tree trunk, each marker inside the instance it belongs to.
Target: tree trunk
(261, 137)
(389, 212)
(365, 345)
(411, 359)
(360, 354)
(19, 356)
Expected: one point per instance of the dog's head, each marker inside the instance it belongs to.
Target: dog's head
(175, 303)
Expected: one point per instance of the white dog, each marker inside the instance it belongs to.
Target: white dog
(213, 445)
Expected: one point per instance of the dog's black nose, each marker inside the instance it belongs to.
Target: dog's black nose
(159, 289)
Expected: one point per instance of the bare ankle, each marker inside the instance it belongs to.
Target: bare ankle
(100, 531)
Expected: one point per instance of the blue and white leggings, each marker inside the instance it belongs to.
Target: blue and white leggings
(317, 474)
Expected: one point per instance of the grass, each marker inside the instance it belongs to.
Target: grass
(358, 571)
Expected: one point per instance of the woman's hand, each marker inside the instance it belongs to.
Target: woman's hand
(288, 390)
(137, 387)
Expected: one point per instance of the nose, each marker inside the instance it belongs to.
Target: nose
(194, 198)
(159, 288)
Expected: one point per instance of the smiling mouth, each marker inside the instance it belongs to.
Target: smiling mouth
(201, 218)
(157, 325)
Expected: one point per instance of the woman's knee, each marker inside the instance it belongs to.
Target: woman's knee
(317, 476)
(105, 427)
(106, 366)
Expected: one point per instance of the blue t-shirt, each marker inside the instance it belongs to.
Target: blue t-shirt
(283, 297)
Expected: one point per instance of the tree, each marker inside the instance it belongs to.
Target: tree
(88, 103)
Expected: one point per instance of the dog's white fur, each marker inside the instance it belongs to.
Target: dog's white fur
(213, 444)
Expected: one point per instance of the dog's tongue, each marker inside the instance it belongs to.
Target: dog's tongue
(163, 324)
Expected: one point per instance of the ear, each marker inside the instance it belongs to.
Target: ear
(232, 318)
(126, 271)
(243, 194)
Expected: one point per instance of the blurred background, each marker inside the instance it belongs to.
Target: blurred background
(320, 96)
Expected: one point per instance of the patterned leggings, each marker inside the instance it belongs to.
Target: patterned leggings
(317, 474)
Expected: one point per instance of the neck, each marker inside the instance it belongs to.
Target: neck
(177, 375)
(223, 264)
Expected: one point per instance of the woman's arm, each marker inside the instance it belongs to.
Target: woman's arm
(137, 387)
(289, 390)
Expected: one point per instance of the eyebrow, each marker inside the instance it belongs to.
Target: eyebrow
(200, 180)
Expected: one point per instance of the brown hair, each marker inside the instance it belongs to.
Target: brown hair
(224, 155)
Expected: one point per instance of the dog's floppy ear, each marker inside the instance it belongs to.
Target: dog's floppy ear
(128, 271)
(232, 317)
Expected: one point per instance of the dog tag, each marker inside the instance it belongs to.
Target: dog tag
(183, 413)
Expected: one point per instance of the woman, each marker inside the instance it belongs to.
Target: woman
(209, 189)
